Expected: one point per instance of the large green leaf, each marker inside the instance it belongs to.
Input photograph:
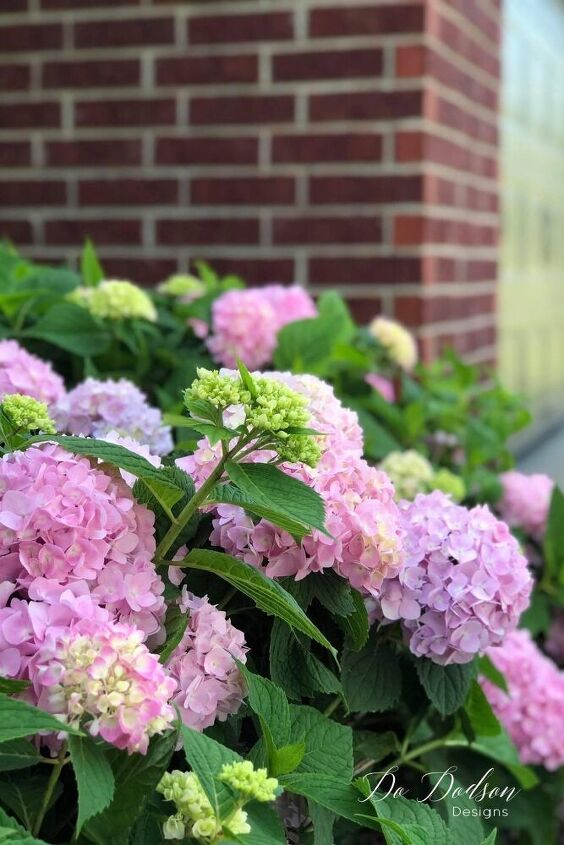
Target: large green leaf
(478, 709)
(17, 754)
(207, 757)
(12, 831)
(271, 488)
(328, 743)
(371, 677)
(489, 670)
(410, 815)
(94, 778)
(267, 594)
(12, 685)
(71, 328)
(19, 719)
(446, 686)
(266, 827)
(501, 749)
(90, 267)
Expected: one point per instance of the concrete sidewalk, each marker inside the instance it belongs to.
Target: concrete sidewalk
(547, 456)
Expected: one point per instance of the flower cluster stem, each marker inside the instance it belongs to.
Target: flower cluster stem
(49, 789)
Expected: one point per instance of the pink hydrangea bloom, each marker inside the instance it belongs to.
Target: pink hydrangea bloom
(361, 514)
(532, 712)
(62, 521)
(21, 372)
(209, 684)
(465, 582)
(245, 323)
(102, 673)
(526, 501)
(384, 386)
(94, 408)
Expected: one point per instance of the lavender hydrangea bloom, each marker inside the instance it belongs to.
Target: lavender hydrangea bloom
(21, 372)
(464, 584)
(94, 408)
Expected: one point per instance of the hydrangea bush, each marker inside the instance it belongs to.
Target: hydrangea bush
(254, 557)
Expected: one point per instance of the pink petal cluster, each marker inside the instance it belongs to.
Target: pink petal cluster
(464, 584)
(94, 408)
(245, 323)
(63, 521)
(532, 711)
(384, 386)
(526, 501)
(103, 673)
(21, 372)
(208, 682)
(362, 517)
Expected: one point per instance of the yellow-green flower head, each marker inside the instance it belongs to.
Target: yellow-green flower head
(27, 414)
(116, 300)
(449, 483)
(397, 340)
(276, 407)
(410, 472)
(195, 815)
(299, 449)
(183, 285)
(221, 390)
(252, 784)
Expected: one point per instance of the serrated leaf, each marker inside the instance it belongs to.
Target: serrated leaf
(356, 626)
(375, 746)
(94, 778)
(267, 594)
(334, 593)
(17, 754)
(71, 328)
(176, 623)
(371, 677)
(446, 686)
(266, 827)
(19, 719)
(228, 494)
(17, 833)
(328, 743)
(413, 816)
(270, 703)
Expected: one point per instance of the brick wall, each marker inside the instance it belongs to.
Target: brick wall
(333, 142)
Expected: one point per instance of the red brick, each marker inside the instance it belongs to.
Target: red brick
(327, 64)
(175, 151)
(99, 153)
(450, 75)
(240, 110)
(365, 310)
(365, 189)
(207, 70)
(366, 20)
(145, 270)
(457, 117)
(408, 230)
(30, 37)
(14, 77)
(208, 231)
(85, 4)
(18, 231)
(256, 271)
(15, 153)
(133, 32)
(91, 74)
(378, 270)
(464, 45)
(479, 271)
(409, 145)
(234, 29)
(13, 6)
(103, 232)
(132, 192)
(251, 190)
(326, 230)
(366, 105)
(410, 60)
(39, 115)
(473, 12)
(36, 192)
(416, 310)
(125, 112)
(320, 148)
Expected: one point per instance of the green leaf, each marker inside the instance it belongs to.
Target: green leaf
(323, 821)
(501, 749)
(334, 593)
(22, 793)
(410, 815)
(446, 686)
(176, 623)
(356, 626)
(286, 759)
(19, 719)
(247, 379)
(270, 703)
(375, 746)
(553, 545)
(17, 754)
(94, 778)
(228, 494)
(12, 685)
(269, 487)
(537, 617)
(490, 840)
(328, 744)
(214, 433)
(267, 594)
(371, 677)
(206, 757)
(478, 709)
(71, 328)
(203, 410)
(136, 777)
(378, 441)
(90, 268)
(266, 827)
(12, 831)
(489, 670)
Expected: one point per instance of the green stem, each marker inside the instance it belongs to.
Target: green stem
(51, 784)
(421, 749)
(330, 709)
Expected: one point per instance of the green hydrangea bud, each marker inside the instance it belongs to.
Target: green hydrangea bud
(276, 407)
(174, 827)
(182, 285)
(410, 472)
(237, 823)
(27, 414)
(221, 390)
(115, 300)
(299, 449)
(252, 784)
(449, 483)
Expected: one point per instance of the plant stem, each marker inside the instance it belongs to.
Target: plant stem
(421, 749)
(51, 784)
(332, 706)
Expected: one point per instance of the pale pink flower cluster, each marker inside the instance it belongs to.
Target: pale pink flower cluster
(21, 372)
(464, 584)
(362, 518)
(532, 711)
(62, 521)
(94, 408)
(208, 682)
(103, 673)
(245, 323)
(384, 386)
(526, 501)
